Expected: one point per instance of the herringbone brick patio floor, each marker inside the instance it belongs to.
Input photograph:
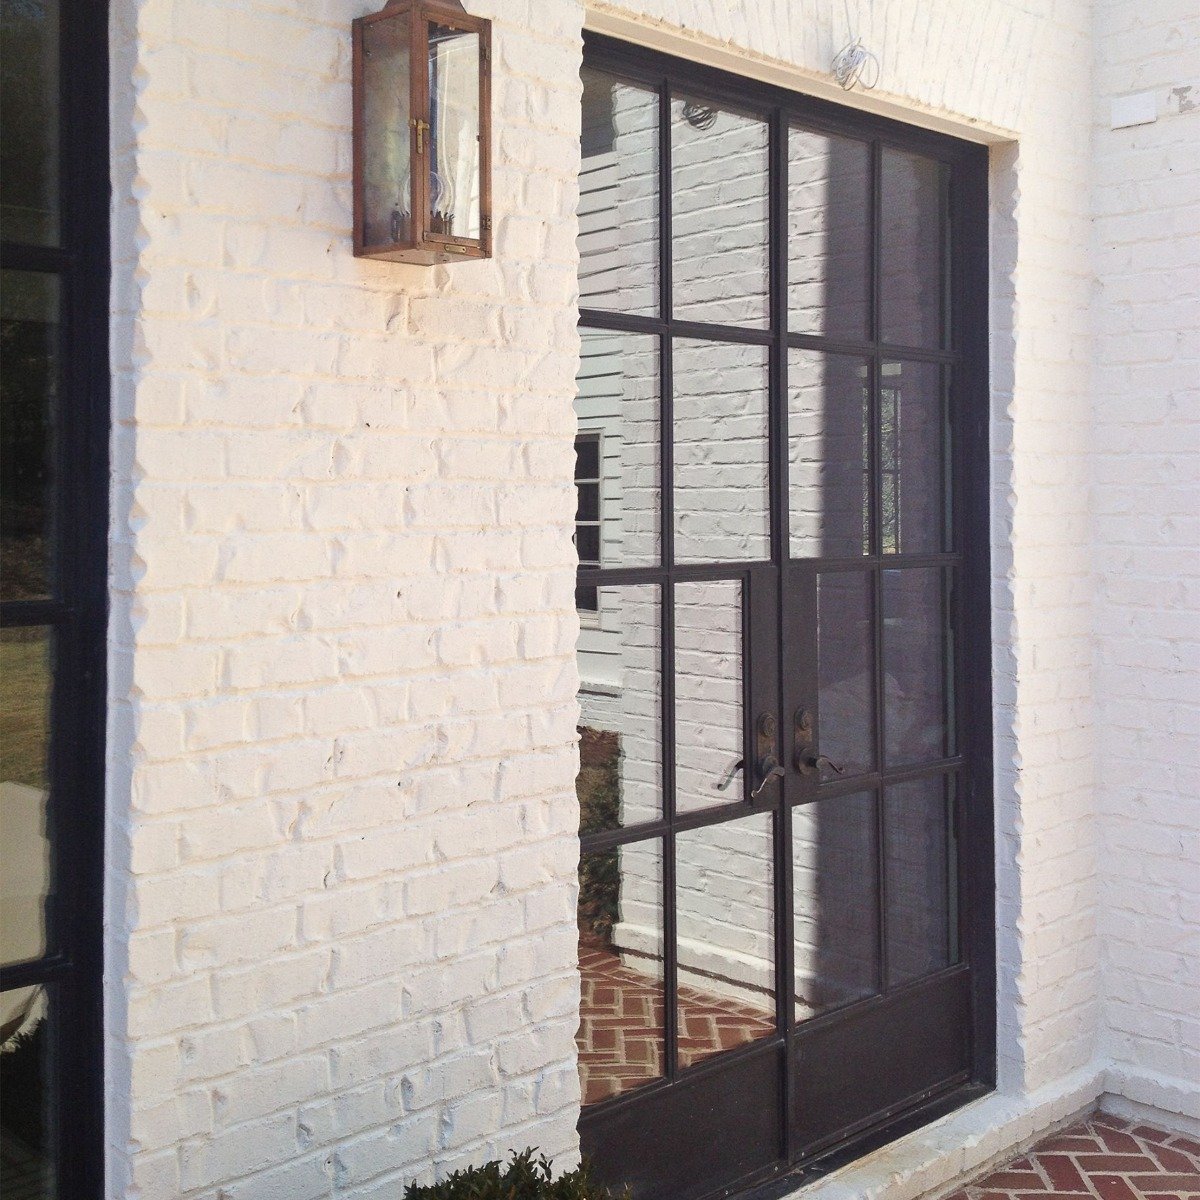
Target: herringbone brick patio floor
(1102, 1158)
(621, 1024)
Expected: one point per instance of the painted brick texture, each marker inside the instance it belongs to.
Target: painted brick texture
(342, 851)
(1146, 205)
(342, 952)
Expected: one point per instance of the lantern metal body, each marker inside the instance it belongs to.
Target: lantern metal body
(422, 133)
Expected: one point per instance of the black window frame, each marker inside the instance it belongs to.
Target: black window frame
(76, 608)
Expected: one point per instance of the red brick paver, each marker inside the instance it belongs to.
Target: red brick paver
(1102, 1158)
(621, 1024)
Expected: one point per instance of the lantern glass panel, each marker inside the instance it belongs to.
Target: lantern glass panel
(454, 143)
(387, 166)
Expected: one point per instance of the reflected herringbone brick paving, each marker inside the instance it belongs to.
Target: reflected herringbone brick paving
(621, 1021)
(1104, 1158)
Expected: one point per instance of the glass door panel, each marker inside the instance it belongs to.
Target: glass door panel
(620, 708)
(618, 196)
(709, 688)
(722, 458)
(725, 917)
(621, 1037)
(829, 456)
(835, 903)
(720, 170)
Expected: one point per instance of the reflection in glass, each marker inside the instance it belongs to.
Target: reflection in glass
(621, 1003)
(919, 850)
(722, 486)
(620, 701)
(828, 454)
(914, 250)
(617, 405)
(719, 209)
(29, 82)
(24, 738)
(454, 167)
(912, 447)
(28, 387)
(918, 694)
(708, 694)
(835, 902)
(725, 915)
(618, 196)
(26, 1155)
(829, 235)
(387, 185)
(846, 681)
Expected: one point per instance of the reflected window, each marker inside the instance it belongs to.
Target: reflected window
(587, 514)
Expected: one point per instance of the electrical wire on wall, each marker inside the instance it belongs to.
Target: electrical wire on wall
(854, 63)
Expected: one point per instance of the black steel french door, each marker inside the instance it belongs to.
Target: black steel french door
(785, 910)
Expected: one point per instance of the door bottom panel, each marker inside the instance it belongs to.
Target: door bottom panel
(692, 1139)
(837, 1089)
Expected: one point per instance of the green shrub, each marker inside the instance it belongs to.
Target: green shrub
(524, 1178)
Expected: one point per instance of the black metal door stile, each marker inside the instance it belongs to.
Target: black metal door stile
(828, 1086)
(60, 1097)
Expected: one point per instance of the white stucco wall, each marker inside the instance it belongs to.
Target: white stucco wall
(342, 850)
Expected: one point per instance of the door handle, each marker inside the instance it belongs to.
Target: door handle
(767, 767)
(805, 759)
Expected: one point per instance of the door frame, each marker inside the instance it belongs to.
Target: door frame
(77, 607)
(968, 297)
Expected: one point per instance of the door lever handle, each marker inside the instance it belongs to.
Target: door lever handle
(805, 759)
(723, 783)
(768, 769)
(808, 763)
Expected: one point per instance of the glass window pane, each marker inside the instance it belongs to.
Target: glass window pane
(828, 455)
(618, 196)
(846, 680)
(620, 701)
(387, 182)
(620, 1038)
(26, 1098)
(921, 904)
(914, 250)
(836, 903)
(25, 666)
(454, 167)
(918, 692)
(29, 63)
(719, 211)
(722, 482)
(912, 449)
(708, 695)
(725, 914)
(829, 235)
(28, 392)
(617, 403)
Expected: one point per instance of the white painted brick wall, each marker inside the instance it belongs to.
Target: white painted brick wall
(1146, 205)
(341, 817)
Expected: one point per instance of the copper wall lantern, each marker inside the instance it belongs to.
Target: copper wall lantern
(422, 133)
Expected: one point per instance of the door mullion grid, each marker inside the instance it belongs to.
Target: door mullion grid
(785, 974)
(666, 458)
(875, 546)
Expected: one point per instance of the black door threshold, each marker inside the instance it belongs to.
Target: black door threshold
(857, 1145)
